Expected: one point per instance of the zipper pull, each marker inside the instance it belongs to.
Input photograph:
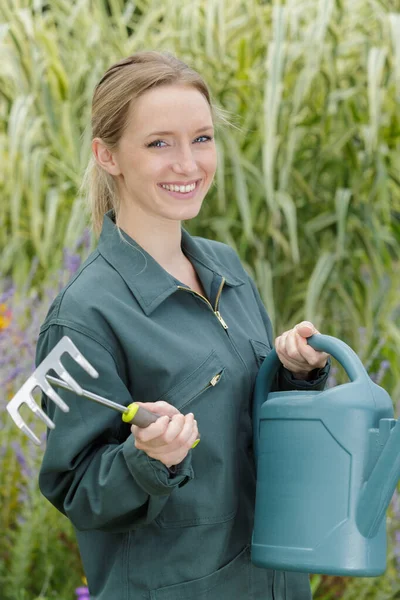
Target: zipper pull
(215, 379)
(220, 319)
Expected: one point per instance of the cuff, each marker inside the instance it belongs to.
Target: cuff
(151, 474)
(317, 382)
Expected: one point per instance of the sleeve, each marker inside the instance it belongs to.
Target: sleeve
(91, 470)
(284, 380)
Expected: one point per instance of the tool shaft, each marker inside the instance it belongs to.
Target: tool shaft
(90, 395)
(133, 414)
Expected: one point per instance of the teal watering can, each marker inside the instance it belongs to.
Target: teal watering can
(327, 466)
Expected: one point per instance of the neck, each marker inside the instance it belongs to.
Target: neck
(161, 238)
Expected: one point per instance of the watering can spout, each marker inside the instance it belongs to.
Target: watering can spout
(378, 490)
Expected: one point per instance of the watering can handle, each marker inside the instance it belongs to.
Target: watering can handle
(324, 343)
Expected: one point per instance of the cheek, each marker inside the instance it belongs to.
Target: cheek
(148, 169)
(210, 162)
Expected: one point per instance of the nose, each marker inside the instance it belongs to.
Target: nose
(185, 161)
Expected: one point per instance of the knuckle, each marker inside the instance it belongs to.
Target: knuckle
(161, 404)
(164, 439)
(168, 437)
(188, 444)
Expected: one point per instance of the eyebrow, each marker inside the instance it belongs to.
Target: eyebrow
(172, 133)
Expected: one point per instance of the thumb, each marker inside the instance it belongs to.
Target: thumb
(306, 329)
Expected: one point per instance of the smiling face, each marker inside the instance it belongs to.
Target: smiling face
(168, 142)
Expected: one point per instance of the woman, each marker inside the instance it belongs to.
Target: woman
(175, 322)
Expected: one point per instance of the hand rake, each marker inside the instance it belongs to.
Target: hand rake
(133, 413)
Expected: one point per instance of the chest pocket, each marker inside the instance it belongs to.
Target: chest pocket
(211, 497)
(205, 376)
(260, 349)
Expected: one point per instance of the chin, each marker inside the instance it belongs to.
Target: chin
(186, 213)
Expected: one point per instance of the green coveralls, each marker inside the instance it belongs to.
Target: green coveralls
(144, 532)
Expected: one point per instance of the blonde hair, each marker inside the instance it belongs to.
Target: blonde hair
(123, 83)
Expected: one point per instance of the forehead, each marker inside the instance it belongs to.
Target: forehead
(170, 107)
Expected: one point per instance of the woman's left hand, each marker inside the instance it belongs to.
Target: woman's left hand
(294, 352)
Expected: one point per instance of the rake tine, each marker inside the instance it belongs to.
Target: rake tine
(52, 394)
(29, 433)
(25, 397)
(39, 412)
(81, 360)
(38, 379)
(59, 368)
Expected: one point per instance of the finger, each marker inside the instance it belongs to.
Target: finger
(280, 342)
(314, 358)
(278, 339)
(173, 430)
(292, 347)
(288, 352)
(178, 437)
(305, 329)
(195, 437)
(188, 431)
(298, 355)
(280, 348)
(152, 431)
(175, 456)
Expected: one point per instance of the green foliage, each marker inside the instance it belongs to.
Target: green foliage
(39, 548)
(307, 188)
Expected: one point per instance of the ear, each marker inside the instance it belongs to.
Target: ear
(104, 157)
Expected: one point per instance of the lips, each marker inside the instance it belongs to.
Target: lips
(181, 195)
(196, 181)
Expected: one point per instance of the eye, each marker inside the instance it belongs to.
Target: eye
(153, 144)
(207, 138)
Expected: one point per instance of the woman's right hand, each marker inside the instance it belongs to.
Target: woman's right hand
(168, 439)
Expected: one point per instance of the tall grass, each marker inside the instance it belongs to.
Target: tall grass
(307, 188)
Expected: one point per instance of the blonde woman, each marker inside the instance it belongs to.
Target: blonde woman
(173, 321)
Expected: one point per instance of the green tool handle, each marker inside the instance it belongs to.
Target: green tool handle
(137, 415)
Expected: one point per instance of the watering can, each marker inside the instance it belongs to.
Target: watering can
(328, 463)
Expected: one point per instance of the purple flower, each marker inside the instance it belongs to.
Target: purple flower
(85, 240)
(12, 375)
(71, 261)
(82, 593)
(25, 469)
(383, 367)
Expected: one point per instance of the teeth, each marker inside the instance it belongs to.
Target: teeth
(179, 188)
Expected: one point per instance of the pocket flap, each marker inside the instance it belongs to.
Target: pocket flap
(196, 382)
(234, 576)
(260, 349)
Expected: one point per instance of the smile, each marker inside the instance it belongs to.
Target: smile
(184, 190)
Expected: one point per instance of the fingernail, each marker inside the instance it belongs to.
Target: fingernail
(196, 443)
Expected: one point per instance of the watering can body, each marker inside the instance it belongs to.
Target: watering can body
(327, 466)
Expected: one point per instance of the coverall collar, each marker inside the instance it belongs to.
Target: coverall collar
(150, 283)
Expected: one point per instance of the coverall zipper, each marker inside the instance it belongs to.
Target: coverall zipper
(218, 315)
(215, 310)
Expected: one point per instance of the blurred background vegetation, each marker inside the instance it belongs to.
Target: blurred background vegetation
(307, 191)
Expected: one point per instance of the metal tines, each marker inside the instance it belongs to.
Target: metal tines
(38, 379)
